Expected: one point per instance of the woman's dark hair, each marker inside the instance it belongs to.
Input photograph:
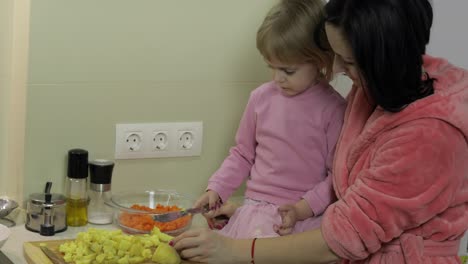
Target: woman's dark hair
(388, 39)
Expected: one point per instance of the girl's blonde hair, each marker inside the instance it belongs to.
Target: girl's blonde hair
(288, 31)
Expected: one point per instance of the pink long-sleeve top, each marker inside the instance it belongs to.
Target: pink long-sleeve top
(402, 178)
(284, 147)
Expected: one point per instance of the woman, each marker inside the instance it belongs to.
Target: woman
(400, 171)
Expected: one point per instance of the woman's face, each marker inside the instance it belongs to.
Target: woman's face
(344, 61)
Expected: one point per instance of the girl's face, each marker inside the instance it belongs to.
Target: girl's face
(344, 61)
(293, 79)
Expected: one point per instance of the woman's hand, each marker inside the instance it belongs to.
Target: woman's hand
(203, 245)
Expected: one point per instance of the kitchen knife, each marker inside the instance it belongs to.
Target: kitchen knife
(171, 216)
(52, 256)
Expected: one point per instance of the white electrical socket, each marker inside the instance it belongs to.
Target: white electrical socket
(186, 140)
(157, 140)
(133, 141)
(160, 140)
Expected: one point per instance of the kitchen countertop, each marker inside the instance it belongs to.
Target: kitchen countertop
(13, 247)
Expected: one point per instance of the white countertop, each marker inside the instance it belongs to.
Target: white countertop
(13, 247)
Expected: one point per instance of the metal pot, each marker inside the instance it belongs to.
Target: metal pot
(36, 210)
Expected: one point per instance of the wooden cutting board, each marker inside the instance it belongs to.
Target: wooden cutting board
(34, 255)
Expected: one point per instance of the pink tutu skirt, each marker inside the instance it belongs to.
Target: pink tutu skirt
(257, 218)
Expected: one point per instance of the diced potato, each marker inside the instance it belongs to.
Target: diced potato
(106, 246)
(166, 254)
(96, 247)
(100, 258)
(123, 260)
(162, 236)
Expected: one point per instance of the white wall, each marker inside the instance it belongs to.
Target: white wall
(342, 84)
(14, 25)
(449, 37)
(94, 64)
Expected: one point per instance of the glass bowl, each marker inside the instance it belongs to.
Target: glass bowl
(135, 210)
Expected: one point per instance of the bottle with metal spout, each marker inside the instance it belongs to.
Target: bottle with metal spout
(76, 188)
(100, 192)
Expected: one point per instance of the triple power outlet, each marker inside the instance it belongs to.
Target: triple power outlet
(158, 140)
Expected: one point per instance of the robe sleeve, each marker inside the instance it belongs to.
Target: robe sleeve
(412, 176)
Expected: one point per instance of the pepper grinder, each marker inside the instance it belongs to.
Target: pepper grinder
(47, 227)
(100, 191)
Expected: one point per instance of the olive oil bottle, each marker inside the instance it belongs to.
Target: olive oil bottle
(76, 188)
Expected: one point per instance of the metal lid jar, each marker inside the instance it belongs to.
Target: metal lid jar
(35, 212)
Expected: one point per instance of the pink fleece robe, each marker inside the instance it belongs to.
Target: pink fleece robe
(402, 178)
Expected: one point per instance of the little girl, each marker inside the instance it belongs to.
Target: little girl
(286, 138)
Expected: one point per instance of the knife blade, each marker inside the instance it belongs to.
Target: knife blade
(171, 216)
(51, 255)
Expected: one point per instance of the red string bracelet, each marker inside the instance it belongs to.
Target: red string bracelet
(252, 251)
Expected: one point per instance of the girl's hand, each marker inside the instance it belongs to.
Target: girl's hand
(203, 245)
(289, 217)
(219, 218)
(210, 198)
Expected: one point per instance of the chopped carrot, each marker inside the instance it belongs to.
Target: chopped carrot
(146, 223)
